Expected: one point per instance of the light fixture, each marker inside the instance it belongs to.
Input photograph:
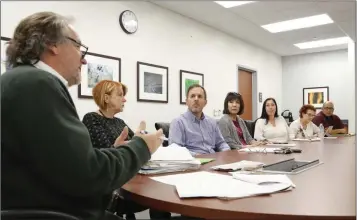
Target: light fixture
(299, 23)
(230, 4)
(323, 43)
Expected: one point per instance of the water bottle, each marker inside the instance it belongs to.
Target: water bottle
(322, 132)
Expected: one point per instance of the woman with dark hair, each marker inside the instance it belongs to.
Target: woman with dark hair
(232, 127)
(303, 127)
(270, 126)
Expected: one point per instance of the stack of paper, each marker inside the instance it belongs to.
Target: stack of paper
(241, 165)
(168, 159)
(307, 139)
(261, 149)
(206, 184)
(280, 145)
(262, 179)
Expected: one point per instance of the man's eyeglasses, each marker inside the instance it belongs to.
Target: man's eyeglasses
(330, 108)
(82, 48)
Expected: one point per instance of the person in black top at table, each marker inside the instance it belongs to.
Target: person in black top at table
(104, 128)
(102, 125)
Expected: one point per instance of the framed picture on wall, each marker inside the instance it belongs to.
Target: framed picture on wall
(152, 83)
(4, 66)
(99, 67)
(187, 79)
(315, 96)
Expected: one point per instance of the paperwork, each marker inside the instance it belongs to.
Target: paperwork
(307, 139)
(206, 184)
(280, 145)
(168, 159)
(330, 137)
(241, 165)
(263, 178)
(259, 149)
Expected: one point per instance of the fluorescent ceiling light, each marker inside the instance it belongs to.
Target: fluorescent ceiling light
(230, 4)
(299, 23)
(323, 43)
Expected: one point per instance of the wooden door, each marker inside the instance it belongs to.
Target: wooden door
(245, 87)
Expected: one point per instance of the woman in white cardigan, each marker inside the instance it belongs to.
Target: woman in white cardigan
(304, 127)
(270, 126)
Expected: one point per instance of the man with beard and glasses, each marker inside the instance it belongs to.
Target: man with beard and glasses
(48, 160)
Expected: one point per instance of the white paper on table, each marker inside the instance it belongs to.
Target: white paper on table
(261, 149)
(175, 178)
(223, 186)
(280, 145)
(263, 178)
(206, 184)
(306, 139)
(172, 152)
(238, 165)
(330, 137)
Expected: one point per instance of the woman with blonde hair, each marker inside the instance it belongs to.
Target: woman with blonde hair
(104, 129)
(102, 125)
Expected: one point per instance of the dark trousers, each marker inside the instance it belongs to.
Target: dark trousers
(125, 207)
(111, 216)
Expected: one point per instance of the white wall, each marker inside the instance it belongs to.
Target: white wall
(163, 38)
(351, 85)
(330, 69)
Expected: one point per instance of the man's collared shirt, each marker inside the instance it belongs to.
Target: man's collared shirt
(327, 121)
(43, 66)
(199, 136)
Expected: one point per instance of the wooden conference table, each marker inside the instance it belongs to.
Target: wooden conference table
(323, 192)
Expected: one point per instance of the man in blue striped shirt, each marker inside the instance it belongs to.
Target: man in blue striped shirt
(194, 130)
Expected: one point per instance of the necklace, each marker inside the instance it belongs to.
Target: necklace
(102, 113)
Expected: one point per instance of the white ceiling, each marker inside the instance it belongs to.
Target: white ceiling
(244, 21)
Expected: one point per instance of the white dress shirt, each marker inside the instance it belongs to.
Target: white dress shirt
(43, 66)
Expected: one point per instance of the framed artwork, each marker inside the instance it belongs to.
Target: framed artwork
(152, 83)
(315, 96)
(186, 80)
(4, 67)
(99, 67)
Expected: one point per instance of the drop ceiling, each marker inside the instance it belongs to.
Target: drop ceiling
(245, 21)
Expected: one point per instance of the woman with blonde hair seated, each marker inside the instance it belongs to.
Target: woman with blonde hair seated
(102, 125)
(304, 127)
(232, 127)
(104, 129)
(271, 126)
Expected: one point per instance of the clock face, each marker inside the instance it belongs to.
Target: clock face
(128, 22)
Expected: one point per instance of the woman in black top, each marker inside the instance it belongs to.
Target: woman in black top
(104, 129)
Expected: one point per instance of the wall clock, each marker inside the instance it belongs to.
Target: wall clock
(128, 22)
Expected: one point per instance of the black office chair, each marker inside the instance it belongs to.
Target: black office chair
(35, 214)
(165, 128)
(251, 126)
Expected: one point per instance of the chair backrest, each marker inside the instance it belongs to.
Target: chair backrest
(165, 128)
(251, 126)
(35, 214)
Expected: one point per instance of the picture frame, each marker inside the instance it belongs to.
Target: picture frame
(152, 83)
(4, 67)
(315, 96)
(188, 78)
(99, 67)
